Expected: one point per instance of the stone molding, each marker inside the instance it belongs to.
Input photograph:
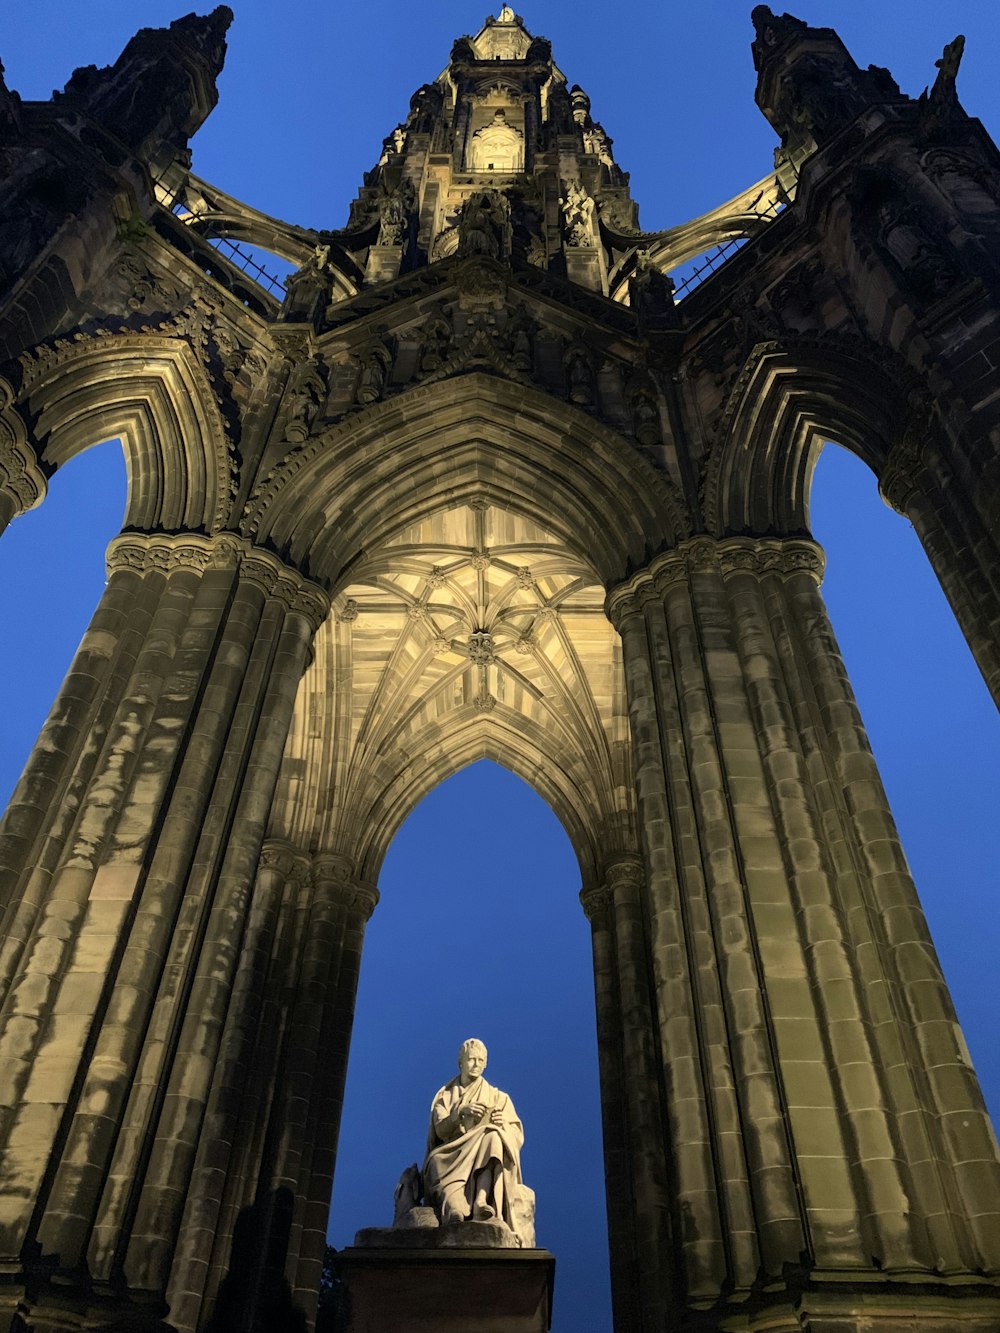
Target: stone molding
(287, 860)
(163, 553)
(595, 899)
(624, 873)
(334, 878)
(726, 556)
(20, 473)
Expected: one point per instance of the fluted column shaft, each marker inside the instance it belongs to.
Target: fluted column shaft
(128, 899)
(819, 1099)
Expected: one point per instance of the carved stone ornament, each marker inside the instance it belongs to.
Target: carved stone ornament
(145, 553)
(578, 214)
(727, 556)
(481, 650)
(21, 475)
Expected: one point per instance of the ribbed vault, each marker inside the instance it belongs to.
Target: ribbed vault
(475, 632)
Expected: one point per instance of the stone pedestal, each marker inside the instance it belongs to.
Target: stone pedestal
(444, 1288)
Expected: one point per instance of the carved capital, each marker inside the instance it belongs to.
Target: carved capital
(726, 556)
(595, 899)
(163, 553)
(335, 883)
(282, 858)
(624, 877)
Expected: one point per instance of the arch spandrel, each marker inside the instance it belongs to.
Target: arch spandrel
(474, 634)
(787, 402)
(340, 494)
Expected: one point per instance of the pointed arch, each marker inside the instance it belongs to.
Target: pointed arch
(340, 494)
(788, 400)
(153, 393)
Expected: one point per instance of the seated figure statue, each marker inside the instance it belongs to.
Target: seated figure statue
(472, 1171)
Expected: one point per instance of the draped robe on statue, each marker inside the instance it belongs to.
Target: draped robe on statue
(453, 1165)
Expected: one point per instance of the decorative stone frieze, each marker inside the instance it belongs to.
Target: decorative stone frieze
(160, 552)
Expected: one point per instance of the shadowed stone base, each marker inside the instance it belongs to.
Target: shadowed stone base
(897, 1306)
(445, 1286)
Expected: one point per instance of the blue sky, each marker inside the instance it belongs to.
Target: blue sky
(305, 102)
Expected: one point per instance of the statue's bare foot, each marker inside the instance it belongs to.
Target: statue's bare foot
(483, 1212)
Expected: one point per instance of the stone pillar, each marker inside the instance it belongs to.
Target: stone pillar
(127, 860)
(823, 1117)
(343, 905)
(631, 1099)
(962, 544)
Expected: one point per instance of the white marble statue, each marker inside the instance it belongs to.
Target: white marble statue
(472, 1171)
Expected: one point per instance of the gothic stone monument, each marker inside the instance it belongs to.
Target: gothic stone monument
(482, 484)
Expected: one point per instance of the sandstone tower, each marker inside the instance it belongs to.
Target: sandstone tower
(478, 481)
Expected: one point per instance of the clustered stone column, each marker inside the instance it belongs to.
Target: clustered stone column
(254, 1231)
(631, 1103)
(955, 518)
(127, 860)
(822, 1113)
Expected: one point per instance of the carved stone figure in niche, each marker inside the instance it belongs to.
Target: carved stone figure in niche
(435, 342)
(967, 184)
(597, 142)
(578, 214)
(484, 227)
(651, 294)
(472, 1171)
(307, 290)
(903, 236)
(519, 334)
(375, 361)
(498, 147)
(304, 399)
(424, 107)
(646, 418)
(579, 377)
(394, 212)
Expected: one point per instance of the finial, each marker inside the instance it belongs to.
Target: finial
(506, 15)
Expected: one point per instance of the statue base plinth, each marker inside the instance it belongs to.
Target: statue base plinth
(445, 1285)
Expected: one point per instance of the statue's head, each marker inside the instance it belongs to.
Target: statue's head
(471, 1059)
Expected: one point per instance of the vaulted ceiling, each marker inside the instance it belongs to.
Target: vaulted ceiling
(472, 634)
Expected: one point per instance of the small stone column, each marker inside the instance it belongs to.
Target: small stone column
(812, 1066)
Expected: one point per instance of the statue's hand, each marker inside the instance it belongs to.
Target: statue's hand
(496, 1118)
